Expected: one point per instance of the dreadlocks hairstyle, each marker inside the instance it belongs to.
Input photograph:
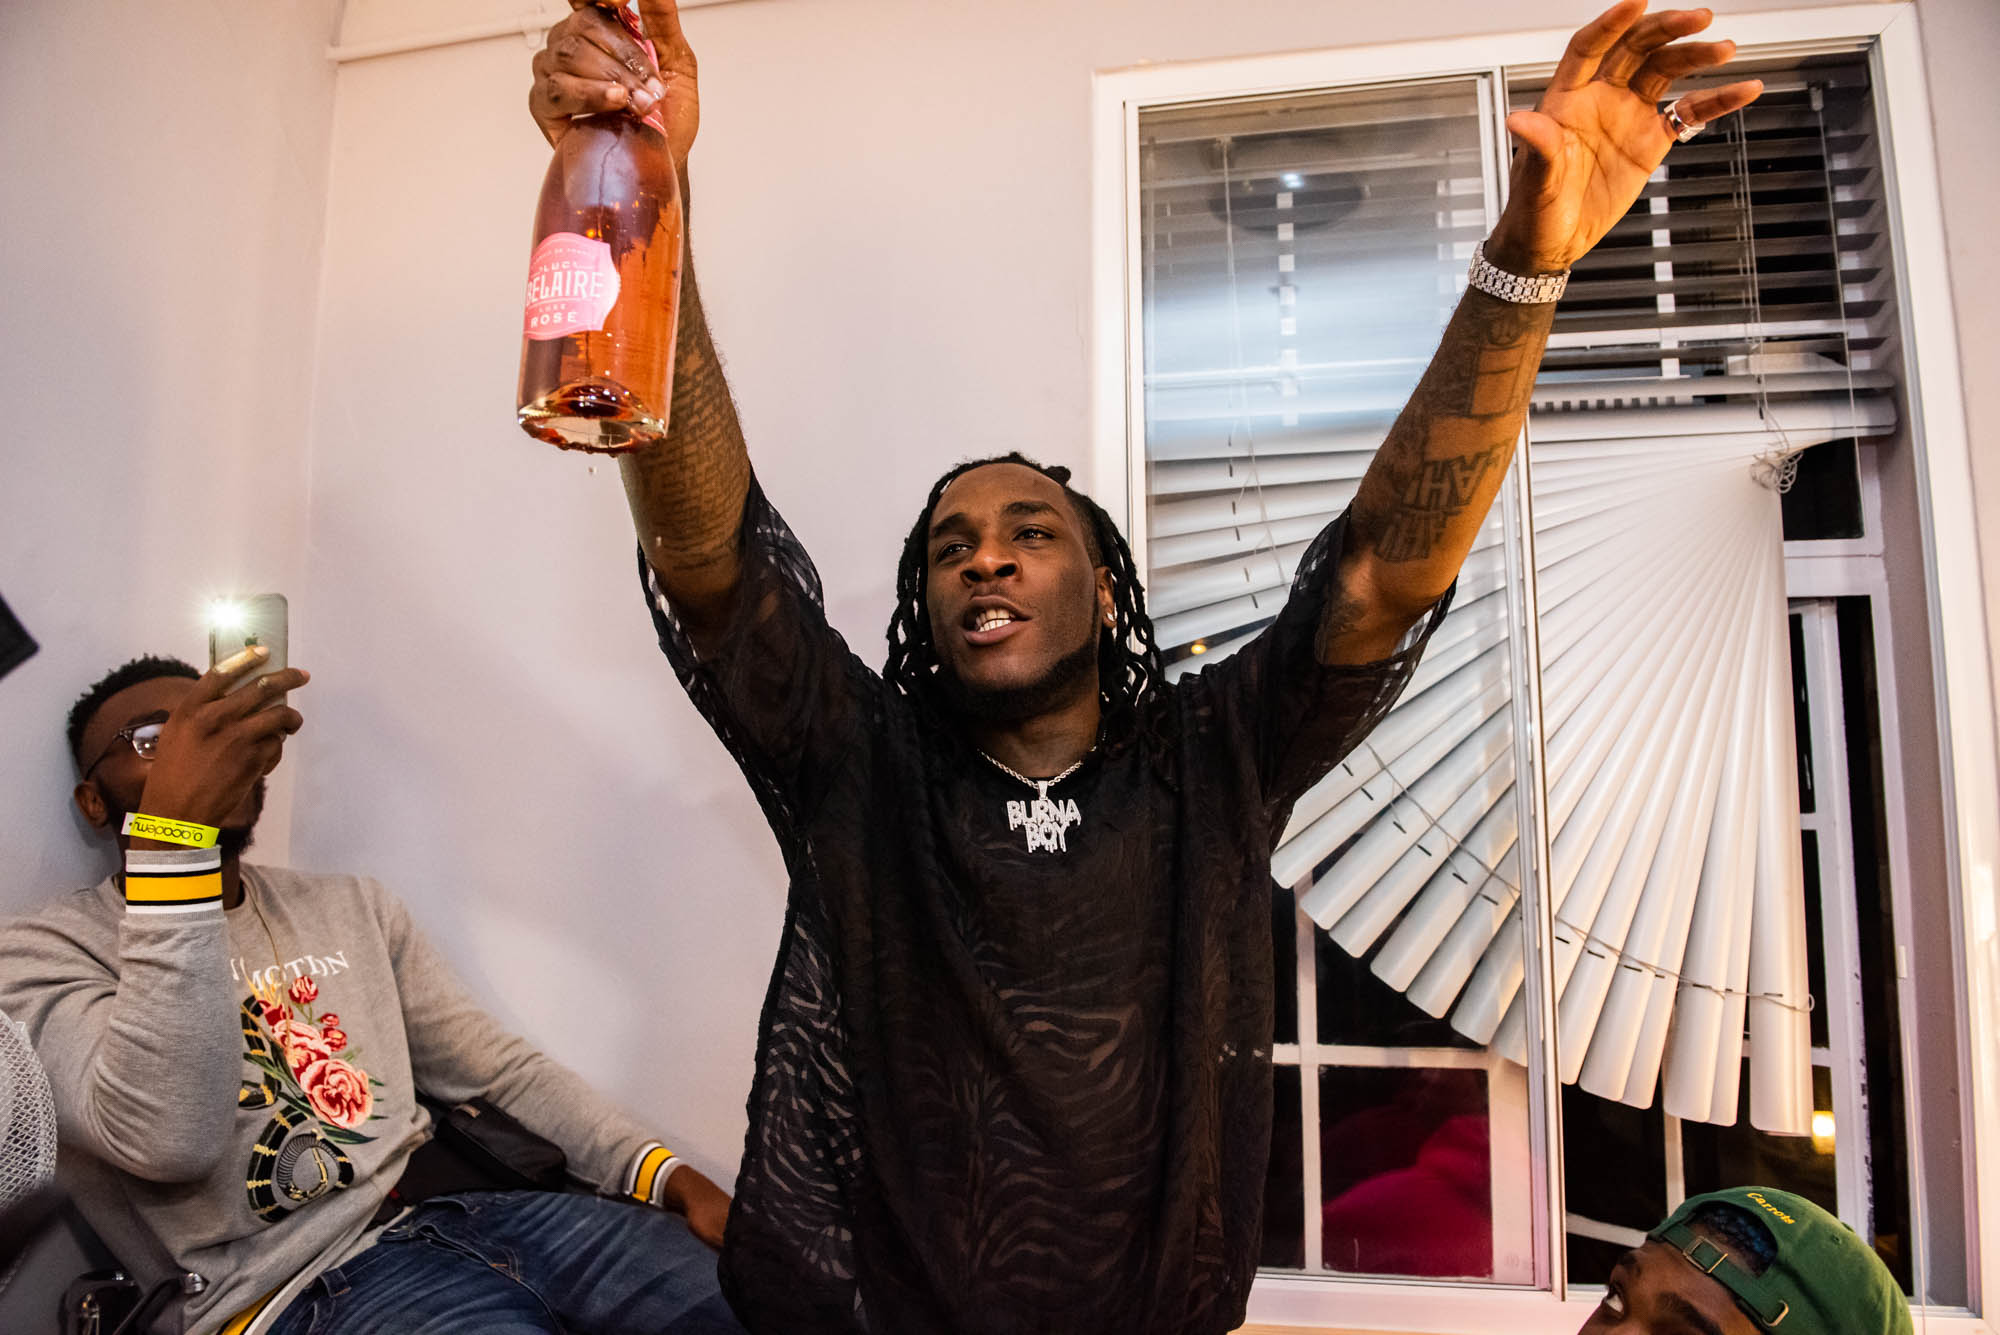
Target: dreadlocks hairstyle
(131, 674)
(1124, 672)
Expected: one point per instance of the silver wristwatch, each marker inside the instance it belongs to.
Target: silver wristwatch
(1497, 282)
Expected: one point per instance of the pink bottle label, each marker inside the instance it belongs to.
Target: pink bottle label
(572, 286)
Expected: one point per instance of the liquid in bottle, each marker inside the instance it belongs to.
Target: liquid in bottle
(597, 347)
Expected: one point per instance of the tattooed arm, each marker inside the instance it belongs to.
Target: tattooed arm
(1583, 155)
(687, 492)
(1427, 490)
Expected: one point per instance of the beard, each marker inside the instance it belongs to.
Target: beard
(235, 839)
(1012, 704)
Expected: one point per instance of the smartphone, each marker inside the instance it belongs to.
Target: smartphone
(235, 624)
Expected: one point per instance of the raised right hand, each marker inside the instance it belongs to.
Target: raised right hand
(590, 65)
(215, 746)
(1597, 135)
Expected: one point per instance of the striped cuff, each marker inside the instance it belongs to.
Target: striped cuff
(173, 881)
(646, 1179)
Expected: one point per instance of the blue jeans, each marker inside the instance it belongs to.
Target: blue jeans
(514, 1262)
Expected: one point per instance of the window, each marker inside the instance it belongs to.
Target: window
(1724, 395)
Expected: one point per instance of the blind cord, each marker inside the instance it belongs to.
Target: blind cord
(1254, 482)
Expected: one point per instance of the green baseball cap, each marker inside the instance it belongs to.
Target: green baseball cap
(1824, 1281)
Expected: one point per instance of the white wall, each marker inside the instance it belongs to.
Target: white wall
(162, 197)
(1959, 37)
(892, 219)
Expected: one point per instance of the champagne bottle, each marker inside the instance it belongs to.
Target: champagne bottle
(597, 347)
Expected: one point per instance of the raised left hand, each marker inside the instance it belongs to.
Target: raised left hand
(1589, 145)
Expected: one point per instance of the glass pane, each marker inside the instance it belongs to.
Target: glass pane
(1815, 940)
(1880, 1006)
(1406, 1172)
(1740, 1155)
(1591, 1260)
(1615, 1159)
(1285, 965)
(1359, 1009)
(1284, 1194)
(1301, 256)
(1801, 714)
(1824, 500)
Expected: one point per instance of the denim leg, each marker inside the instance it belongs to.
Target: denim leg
(600, 1265)
(515, 1262)
(415, 1281)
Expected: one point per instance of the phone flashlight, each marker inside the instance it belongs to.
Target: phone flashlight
(225, 616)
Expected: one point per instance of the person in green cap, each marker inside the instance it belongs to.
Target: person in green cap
(1751, 1259)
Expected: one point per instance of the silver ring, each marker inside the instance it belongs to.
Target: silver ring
(1681, 128)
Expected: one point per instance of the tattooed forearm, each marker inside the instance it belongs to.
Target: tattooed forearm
(1439, 492)
(1496, 349)
(1428, 489)
(687, 492)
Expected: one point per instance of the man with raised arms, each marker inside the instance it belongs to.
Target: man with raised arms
(1014, 1070)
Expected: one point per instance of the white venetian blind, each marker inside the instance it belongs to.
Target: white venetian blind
(1300, 258)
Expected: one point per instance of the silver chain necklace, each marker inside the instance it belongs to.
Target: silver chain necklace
(1045, 821)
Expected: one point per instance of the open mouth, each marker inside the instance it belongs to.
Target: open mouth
(991, 624)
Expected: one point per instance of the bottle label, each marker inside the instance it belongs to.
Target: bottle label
(572, 286)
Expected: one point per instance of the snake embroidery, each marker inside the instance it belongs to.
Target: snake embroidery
(265, 1092)
(268, 1161)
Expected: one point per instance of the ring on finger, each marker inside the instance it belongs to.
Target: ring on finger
(1679, 126)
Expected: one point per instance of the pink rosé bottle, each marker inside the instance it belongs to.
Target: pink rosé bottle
(597, 347)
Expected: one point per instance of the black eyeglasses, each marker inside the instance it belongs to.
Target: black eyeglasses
(144, 737)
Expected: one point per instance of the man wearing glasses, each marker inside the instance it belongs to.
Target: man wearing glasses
(237, 1054)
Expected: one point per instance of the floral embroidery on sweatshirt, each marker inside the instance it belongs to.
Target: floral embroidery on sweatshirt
(312, 1078)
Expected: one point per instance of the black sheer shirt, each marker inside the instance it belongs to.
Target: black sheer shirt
(1013, 1071)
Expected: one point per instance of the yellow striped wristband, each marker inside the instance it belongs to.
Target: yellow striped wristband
(168, 831)
(159, 881)
(646, 1179)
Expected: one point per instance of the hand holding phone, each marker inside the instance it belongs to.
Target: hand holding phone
(218, 742)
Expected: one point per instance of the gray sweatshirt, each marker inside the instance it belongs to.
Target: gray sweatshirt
(236, 1093)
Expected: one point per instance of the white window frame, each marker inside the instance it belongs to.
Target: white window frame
(1956, 609)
